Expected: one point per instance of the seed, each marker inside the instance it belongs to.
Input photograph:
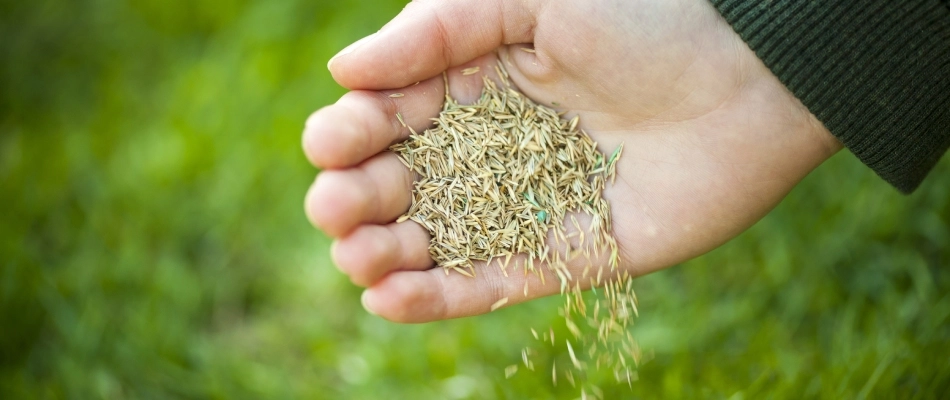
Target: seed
(510, 371)
(541, 215)
(396, 95)
(401, 122)
(499, 175)
(498, 304)
(570, 350)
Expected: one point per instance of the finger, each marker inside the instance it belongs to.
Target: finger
(372, 251)
(432, 295)
(363, 123)
(466, 81)
(376, 191)
(430, 36)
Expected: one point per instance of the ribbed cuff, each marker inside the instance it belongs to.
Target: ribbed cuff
(875, 72)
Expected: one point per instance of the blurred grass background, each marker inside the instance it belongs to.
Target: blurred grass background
(154, 245)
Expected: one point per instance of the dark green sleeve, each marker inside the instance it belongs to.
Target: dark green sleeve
(875, 72)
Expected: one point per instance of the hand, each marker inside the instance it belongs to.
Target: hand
(713, 140)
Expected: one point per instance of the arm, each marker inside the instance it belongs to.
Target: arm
(713, 140)
(876, 73)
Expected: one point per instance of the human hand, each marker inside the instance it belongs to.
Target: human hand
(712, 140)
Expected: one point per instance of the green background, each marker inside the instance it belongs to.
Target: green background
(154, 245)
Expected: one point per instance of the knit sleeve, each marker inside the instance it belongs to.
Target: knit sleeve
(876, 73)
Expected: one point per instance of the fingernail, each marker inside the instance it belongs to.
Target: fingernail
(349, 49)
(363, 301)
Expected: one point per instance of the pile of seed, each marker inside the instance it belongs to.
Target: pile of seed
(500, 178)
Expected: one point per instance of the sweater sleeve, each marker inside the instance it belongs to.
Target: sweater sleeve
(876, 73)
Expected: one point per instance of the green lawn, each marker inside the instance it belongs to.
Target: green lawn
(153, 243)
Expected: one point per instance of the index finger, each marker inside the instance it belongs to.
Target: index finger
(363, 123)
(430, 36)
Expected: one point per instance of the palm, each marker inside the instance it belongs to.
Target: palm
(712, 142)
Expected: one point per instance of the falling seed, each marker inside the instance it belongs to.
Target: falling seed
(528, 50)
(510, 370)
(570, 351)
(471, 71)
(598, 393)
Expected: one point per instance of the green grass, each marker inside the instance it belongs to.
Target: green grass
(153, 243)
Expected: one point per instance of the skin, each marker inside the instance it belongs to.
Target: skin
(713, 141)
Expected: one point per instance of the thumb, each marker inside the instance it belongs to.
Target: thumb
(428, 37)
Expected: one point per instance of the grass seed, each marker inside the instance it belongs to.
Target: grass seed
(495, 177)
